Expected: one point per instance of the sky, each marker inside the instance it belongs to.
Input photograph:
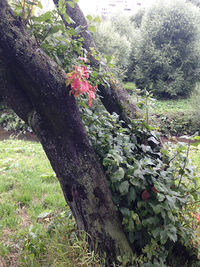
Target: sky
(88, 6)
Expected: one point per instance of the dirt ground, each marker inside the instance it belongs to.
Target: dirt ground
(9, 134)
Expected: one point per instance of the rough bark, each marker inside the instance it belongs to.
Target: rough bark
(115, 98)
(34, 86)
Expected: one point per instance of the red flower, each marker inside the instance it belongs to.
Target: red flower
(145, 195)
(79, 84)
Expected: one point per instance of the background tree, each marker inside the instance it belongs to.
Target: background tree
(167, 55)
(112, 39)
(194, 2)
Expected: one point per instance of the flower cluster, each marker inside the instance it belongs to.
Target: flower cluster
(79, 84)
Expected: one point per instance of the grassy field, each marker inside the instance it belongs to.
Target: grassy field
(36, 226)
(173, 106)
(166, 106)
(172, 117)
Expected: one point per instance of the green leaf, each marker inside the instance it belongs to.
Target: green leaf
(132, 194)
(118, 175)
(108, 162)
(173, 237)
(134, 181)
(124, 187)
(92, 29)
(70, 3)
(171, 201)
(89, 17)
(163, 237)
(156, 232)
(154, 140)
(125, 212)
(67, 18)
(39, 5)
(31, 3)
(157, 208)
(97, 19)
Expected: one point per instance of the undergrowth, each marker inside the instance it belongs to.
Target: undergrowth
(154, 189)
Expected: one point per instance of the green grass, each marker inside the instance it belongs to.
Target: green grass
(173, 106)
(167, 106)
(195, 157)
(129, 86)
(36, 226)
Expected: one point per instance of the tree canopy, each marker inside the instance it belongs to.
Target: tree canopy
(167, 55)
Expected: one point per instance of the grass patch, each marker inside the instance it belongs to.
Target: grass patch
(173, 117)
(173, 106)
(36, 226)
(130, 86)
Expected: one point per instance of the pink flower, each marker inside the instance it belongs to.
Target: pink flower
(91, 96)
(76, 83)
(79, 84)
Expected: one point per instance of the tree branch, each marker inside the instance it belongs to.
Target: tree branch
(115, 98)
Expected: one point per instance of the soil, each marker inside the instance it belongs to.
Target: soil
(4, 135)
(176, 139)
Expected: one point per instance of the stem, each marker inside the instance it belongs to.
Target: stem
(187, 154)
(147, 110)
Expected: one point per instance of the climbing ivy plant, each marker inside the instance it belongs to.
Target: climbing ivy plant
(154, 189)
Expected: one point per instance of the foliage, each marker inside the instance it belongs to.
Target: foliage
(177, 117)
(151, 191)
(11, 122)
(167, 55)
(194, 2)
(63, 44)
(137, 17)
(113, 39)
(130, 87)
(177, 124)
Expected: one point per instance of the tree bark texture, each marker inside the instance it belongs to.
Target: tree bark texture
(115, 98)
(33, 85)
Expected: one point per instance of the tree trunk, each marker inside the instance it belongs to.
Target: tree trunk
(34, 86)
(115, 98)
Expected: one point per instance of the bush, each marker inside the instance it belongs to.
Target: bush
(178, 124)
(113, 40)
(167, 57)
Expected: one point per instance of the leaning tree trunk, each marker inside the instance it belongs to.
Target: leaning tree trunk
(115, 98)
(34, 86)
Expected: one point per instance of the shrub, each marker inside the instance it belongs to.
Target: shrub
(167, 57)
(178, 124)
(112, 40)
